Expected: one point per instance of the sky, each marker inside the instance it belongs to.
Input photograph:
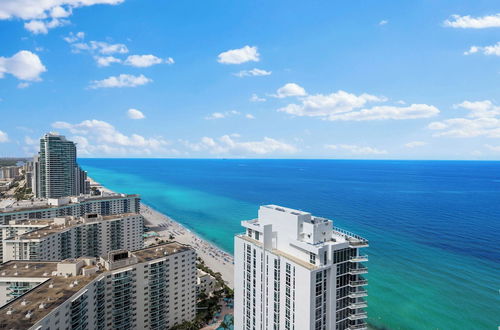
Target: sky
(367, 79)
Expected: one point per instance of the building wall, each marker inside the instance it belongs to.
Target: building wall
(126, 204)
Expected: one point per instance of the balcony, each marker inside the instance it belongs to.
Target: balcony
(358, 316)
(356, 305)
(360, 326)
(358, 283)
(358, 271)
(358, 294)
(359, 258)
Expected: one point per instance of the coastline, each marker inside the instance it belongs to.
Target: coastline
(213, 256)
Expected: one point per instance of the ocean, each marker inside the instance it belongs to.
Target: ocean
(433, 226)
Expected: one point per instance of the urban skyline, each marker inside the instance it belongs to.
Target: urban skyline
(377, 80)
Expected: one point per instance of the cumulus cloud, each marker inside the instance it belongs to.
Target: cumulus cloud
(23, 85)
(142, 61)
(100, 47)
(290, 89)
(356, 150)
(469, 22)
(42, 15)
(383, 22)
(252, 73)
(238, 56)
(106, 60)
(486, 50)
(483, 119)
(221, 115)
(227, 144)
(415, 144)
(3, 137)
(96, 137)
(23, 65)
(135, 114)
(346, 106)
(249, 116)
(123, 80)
(257, 98)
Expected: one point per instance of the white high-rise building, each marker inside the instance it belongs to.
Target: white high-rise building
(151, 288)
(296, 271)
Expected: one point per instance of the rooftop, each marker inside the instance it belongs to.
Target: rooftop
(70, 222)
(54, 289)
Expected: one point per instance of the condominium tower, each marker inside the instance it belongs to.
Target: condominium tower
(56, 173)
(296, 271)
(70, 237)
(151, 288)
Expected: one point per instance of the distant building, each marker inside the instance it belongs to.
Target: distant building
(205, 283)
(10, 172)
(296, 271)
(76, 206)
(70, 237)
(55, 170)
(152, 288)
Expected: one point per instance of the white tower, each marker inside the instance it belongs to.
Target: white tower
(296, 271)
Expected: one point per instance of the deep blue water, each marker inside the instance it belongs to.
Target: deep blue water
(433, 226)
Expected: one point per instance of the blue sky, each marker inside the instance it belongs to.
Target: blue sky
(257, 79)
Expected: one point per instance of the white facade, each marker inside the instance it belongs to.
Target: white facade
(76, 206)
(296, 271)
(205, 283)
(68, 237)
(152, 288)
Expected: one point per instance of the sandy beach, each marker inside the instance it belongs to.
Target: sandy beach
(214, 257)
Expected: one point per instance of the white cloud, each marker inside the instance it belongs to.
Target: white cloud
(483, 120)
(106, 60)
(252, 73)
(96, 137)
(43, 27)
(238, 56)
(229, 145)
(43, 15)
(135, 114)
(414, 111)
(142, 61)
(415, 144)
(256, 98)
(3, 137)
(468, 22)
(356, 150)
(383, 22)
(221, 115)
(100, 47)
(492, 148)
(487, 50)
(290, 89)
(123, 80)
(74, 37)
(23, 65)
(29, 141)
(249, 116)
(342, 105)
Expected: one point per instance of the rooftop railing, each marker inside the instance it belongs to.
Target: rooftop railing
(353, 239)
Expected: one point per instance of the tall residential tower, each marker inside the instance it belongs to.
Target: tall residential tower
(296, 271)
(57, 174)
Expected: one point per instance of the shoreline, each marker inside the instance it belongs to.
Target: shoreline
(214, 257)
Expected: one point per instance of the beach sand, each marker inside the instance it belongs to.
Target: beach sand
(214, 257)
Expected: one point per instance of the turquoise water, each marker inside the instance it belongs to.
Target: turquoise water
(434, 227)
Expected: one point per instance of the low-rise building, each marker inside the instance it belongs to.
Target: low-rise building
(205, 283)
(70, 237)
(152, 288)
